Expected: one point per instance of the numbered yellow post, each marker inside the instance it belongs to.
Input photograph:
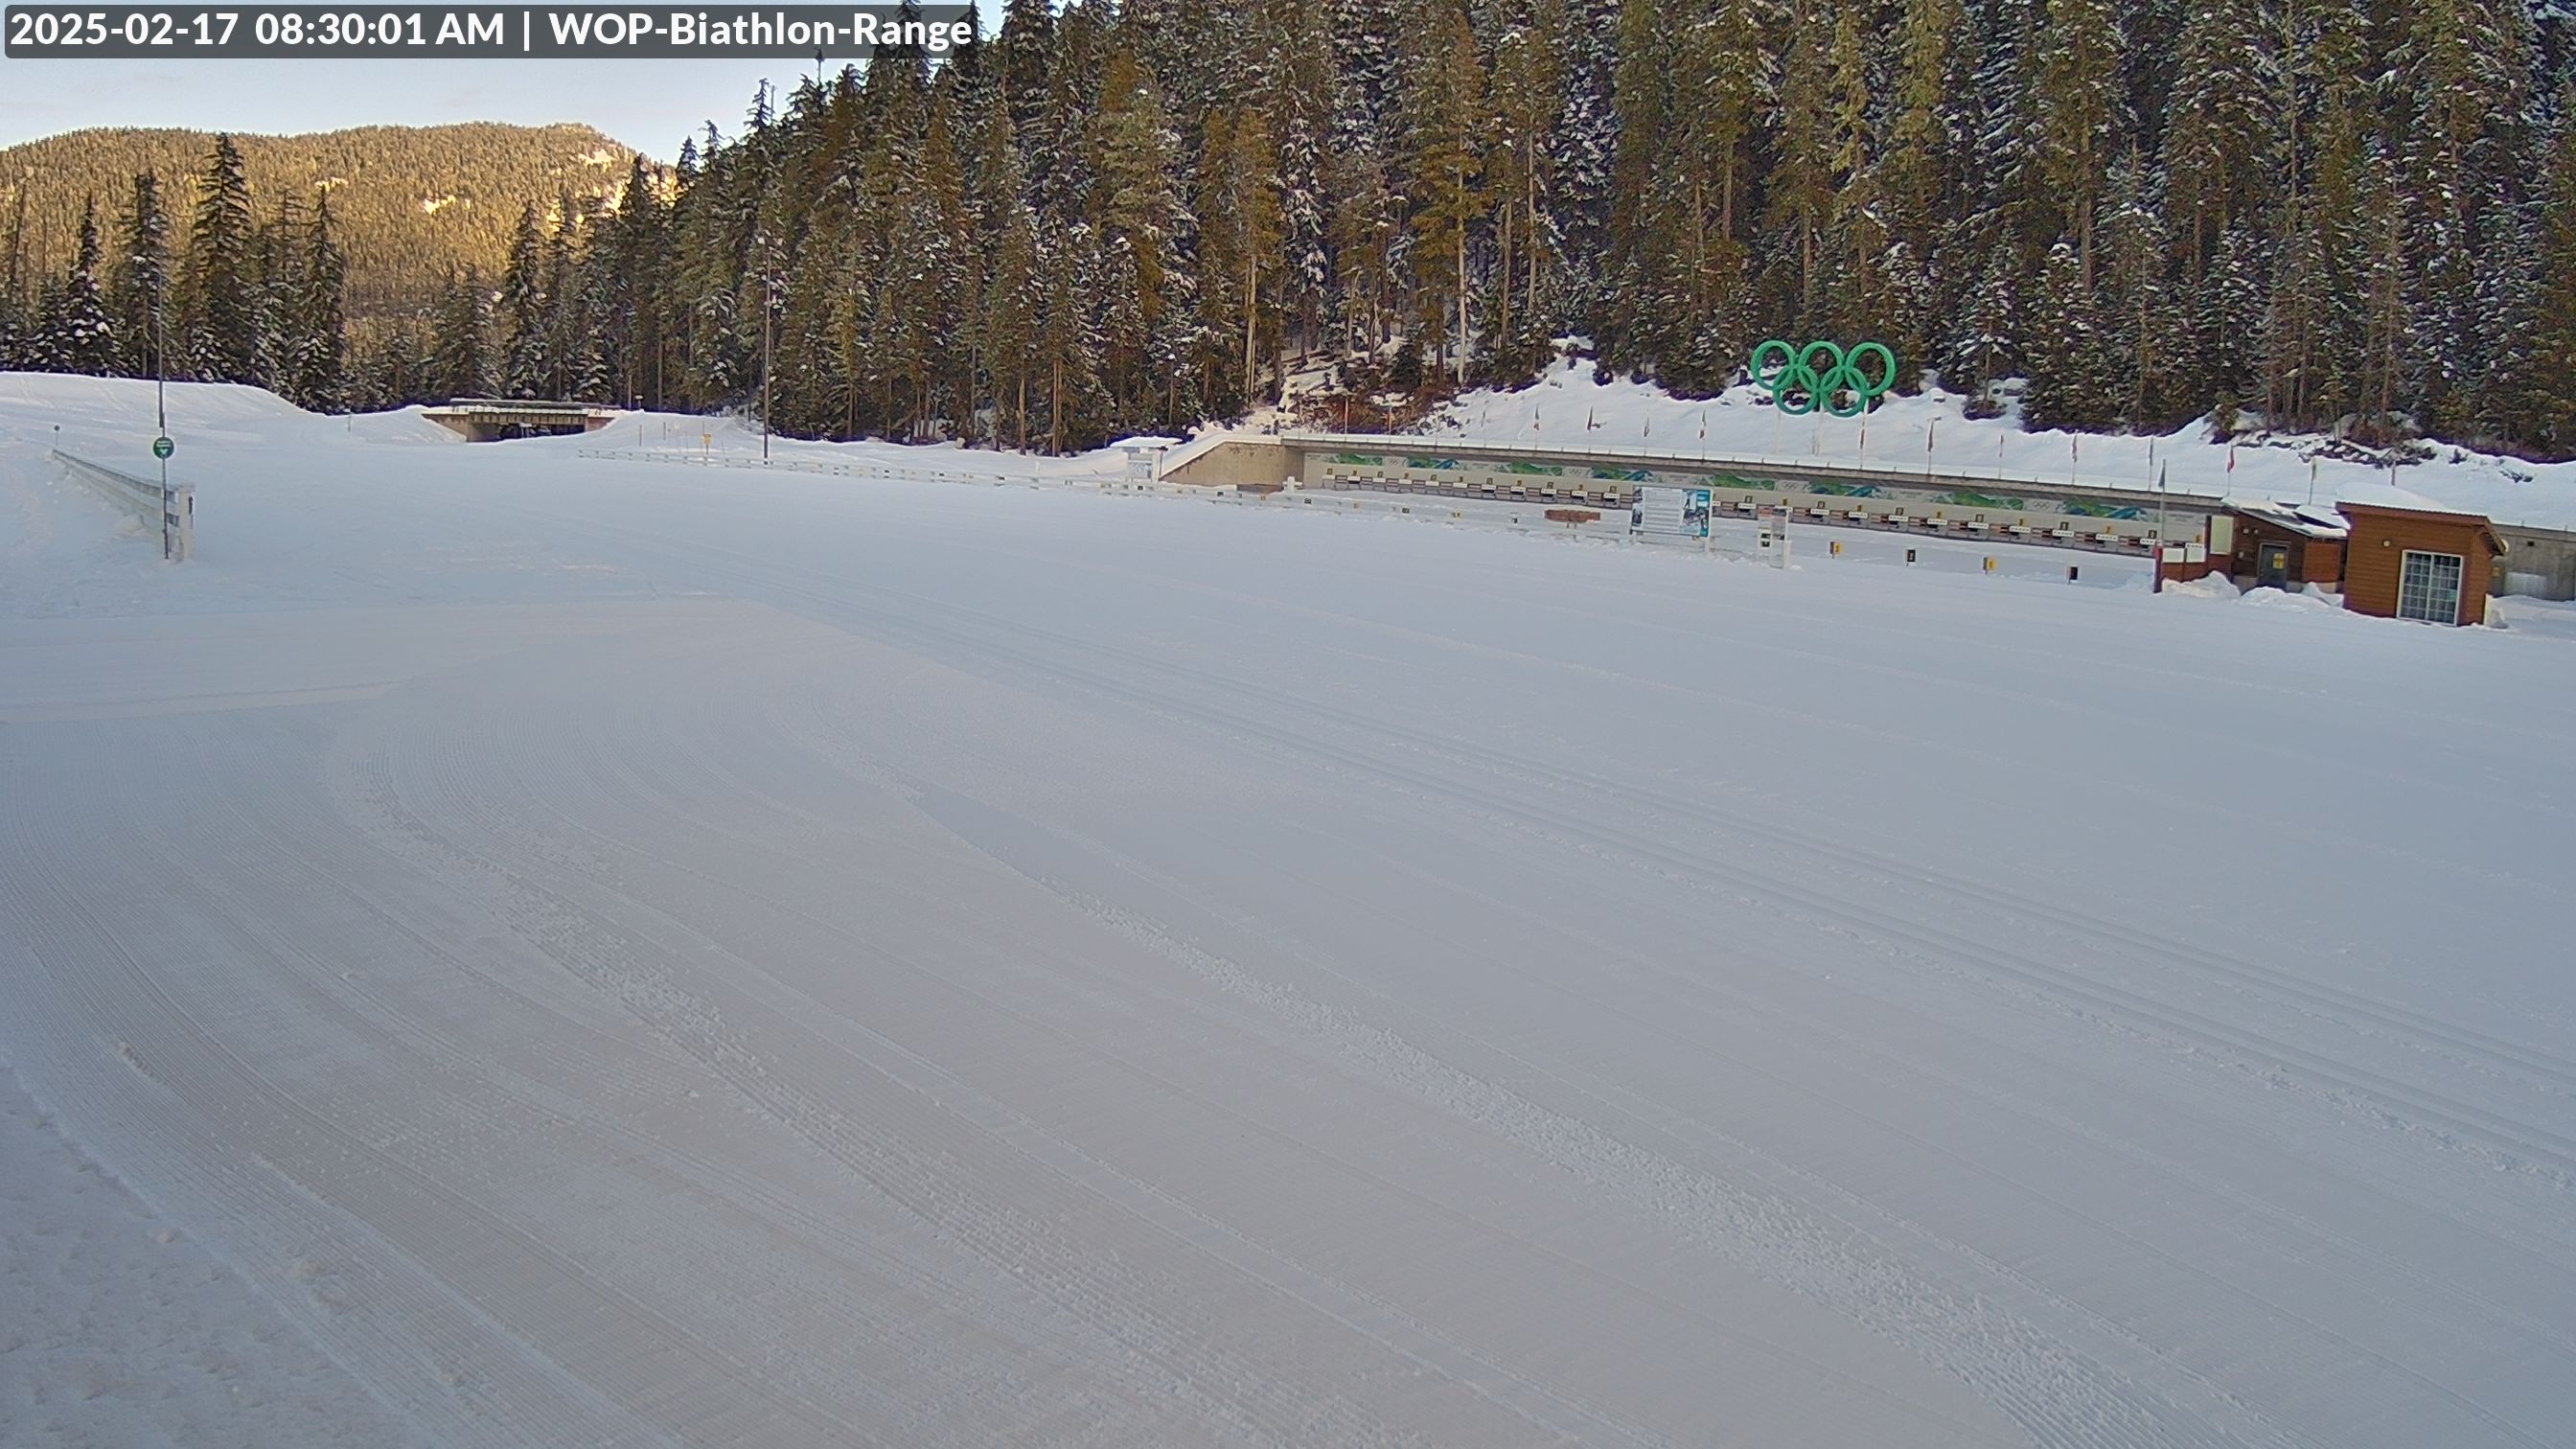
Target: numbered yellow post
(1835, 548)
(1990, 564)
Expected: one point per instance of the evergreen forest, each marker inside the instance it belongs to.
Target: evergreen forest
(2355, 216)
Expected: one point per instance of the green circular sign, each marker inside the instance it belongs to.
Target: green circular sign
(1821, 375)
(163, 447)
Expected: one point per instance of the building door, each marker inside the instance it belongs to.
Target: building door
(2272, 566)
(2428, 587)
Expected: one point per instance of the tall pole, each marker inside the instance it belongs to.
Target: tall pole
(161, 419)
(2162, 524)
(768, 306)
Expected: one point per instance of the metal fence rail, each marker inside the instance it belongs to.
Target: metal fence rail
(1854, 470)
(814, 465)
(173, 509)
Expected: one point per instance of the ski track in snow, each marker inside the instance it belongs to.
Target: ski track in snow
(596, 952)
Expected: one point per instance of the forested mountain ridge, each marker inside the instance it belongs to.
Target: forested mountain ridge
(411, 202)
(2356, 215)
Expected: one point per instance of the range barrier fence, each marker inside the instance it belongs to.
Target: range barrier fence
(172, 508)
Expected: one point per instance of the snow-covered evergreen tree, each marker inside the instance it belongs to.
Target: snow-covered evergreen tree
(2079, 101)
(1444, 131)
(220, 292)
(2068, 352)
(2218, 152)
(460, 360)
(80, 336)
(521, 313)
(138, 285)
(2552, 419)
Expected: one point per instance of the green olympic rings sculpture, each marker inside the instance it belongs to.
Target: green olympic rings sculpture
(1798, 385)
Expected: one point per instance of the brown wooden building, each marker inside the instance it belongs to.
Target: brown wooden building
(2286, 546)
(2418, 563)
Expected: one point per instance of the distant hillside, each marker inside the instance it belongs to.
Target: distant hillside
(409, 201)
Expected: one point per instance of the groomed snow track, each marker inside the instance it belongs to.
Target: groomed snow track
(690, 956)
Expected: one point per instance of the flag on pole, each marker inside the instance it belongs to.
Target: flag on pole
(2231, 457)
(1929, 430)
(1703, 425)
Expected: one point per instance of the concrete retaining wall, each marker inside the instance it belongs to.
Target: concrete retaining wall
(1235, 462)
(2539, 562)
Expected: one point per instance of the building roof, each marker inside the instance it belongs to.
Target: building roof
(2400, 503)
(2388, 497)
(2306, 519)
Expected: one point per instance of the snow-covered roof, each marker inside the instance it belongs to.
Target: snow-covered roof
(2382, 497)
(2389, 495)
(2306, 519)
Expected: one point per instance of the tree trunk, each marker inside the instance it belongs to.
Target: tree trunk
(1699, 239)
(1726, 198)
(1462, 300)
(1530, 302)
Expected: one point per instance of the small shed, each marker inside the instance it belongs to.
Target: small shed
(2410, 560)
(2286, 545)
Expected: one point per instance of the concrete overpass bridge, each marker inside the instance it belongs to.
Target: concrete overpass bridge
(489, 420)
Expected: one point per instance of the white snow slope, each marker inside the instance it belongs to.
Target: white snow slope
(616, 953)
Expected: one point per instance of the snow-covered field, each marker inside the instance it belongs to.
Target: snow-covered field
(514, 949)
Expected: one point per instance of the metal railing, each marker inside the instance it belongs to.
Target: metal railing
(1837, 469)
(854, 469)
(173, 508)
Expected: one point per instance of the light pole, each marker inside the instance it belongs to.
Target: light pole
(161, 419)
(768, 310)
(2163, 524)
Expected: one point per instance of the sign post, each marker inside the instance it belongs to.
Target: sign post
(162, 448)
(768, 311)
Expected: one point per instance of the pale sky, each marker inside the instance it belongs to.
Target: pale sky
(648, 104)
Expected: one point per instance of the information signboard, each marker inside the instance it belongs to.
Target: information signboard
(1669, 513)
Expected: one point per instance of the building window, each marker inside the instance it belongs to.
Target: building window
(2428, 587)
